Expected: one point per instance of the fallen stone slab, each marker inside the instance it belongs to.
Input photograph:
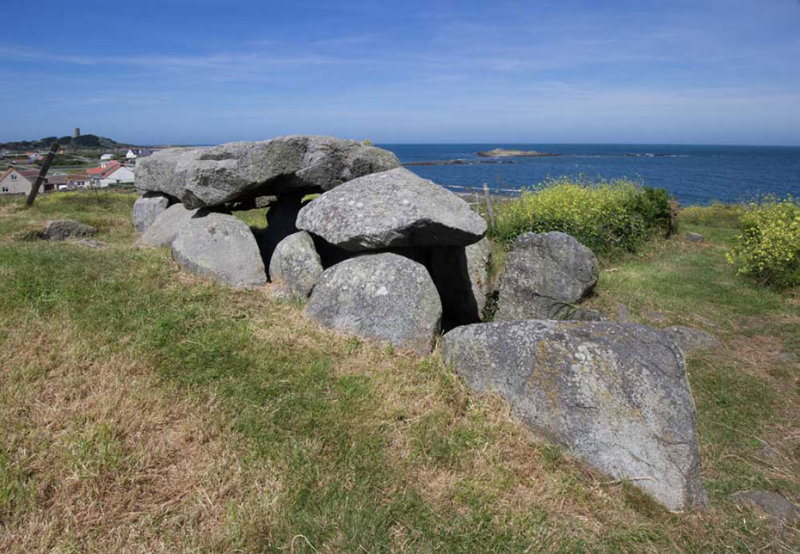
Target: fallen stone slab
(212, 176)
(615, 395)
(777, 509)
(221, 247)
(295, 265)
(391, 209)
(690, 339)
(544, 275)
(695, 237)
(461, 274)
(147, 208)
(383, 297)
(165, 226)
(63, 229)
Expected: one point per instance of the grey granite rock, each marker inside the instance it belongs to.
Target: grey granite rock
(147, 208)
(544, 274)
(777, 509)
(695, 237)
(584, 314)
(165, 227)
(221, 247)
(203, 177)
(615, 395)
(689, 339)
(461, 274)
(384, 297)
(395, 208)
(295, 265)
(63, 229)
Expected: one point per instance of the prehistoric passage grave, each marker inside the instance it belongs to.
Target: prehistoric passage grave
(389, 256)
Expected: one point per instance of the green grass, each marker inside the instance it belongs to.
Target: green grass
(262, 432)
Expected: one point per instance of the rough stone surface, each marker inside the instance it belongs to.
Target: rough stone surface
(545, 273)
(165, 227)
(775, 507)
(295, 265)
(91, 243)
(147, 208)
(623, 313)
(395, 208)
(695, 237)
(461, 274)
(63, 229)
(384, 297)
(585, 314)
(689, 339)
(221, 247)
(615, 395)
(203, 177)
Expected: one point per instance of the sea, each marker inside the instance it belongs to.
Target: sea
(692, 174)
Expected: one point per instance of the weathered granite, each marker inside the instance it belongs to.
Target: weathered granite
(615, 395)
(221, 247)
(391, 209)
(147, 208)
(165, 227)
(544, 274)
(384, 297)
(295, 265)
(212, 176)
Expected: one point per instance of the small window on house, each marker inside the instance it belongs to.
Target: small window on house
(5, 189)
(13, 177)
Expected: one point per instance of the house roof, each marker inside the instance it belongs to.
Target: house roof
(102, 170)
(112, 170)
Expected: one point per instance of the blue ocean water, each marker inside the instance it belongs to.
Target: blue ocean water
(693, 174)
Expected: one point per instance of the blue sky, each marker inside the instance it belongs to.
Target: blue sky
(207, 71)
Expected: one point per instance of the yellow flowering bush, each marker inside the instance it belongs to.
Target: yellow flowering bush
(768, 249)
(606, 217)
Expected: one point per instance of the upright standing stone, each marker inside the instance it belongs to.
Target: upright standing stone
(165, 227)
(295, 265)
(221, 247)
(384, 297)
(147, 208)
(544, 274)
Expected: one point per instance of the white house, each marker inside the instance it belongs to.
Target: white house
(131, 155)
(19, 181)
(117, 175)
(106, 157)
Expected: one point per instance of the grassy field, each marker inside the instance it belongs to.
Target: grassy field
(144, 410)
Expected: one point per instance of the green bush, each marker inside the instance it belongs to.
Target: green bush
(716, 214)
(768, 249)
(607, 217)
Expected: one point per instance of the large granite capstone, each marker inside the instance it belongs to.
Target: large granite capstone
(220, 247)
(544, 275)
(211, 176)
(384, 297)
(391, 209)
(615, 395)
